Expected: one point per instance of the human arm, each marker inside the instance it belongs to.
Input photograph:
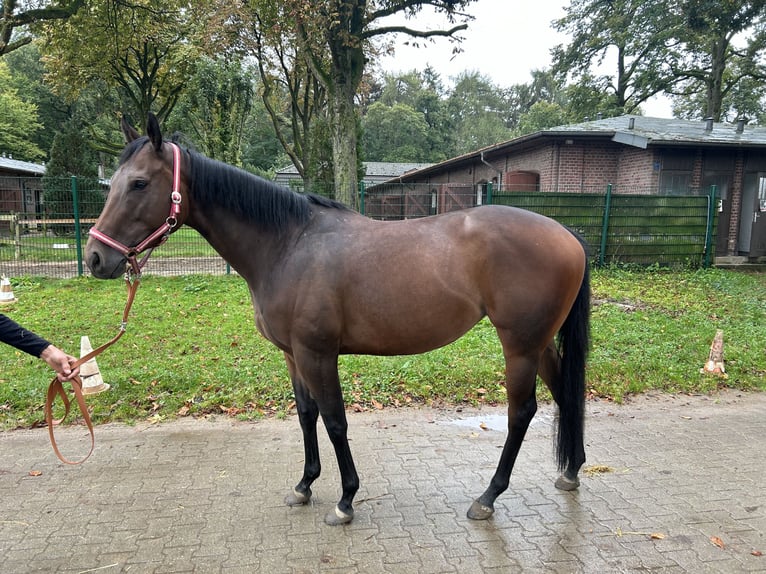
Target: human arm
(25, 340)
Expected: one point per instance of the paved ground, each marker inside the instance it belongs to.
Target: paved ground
(684, 492)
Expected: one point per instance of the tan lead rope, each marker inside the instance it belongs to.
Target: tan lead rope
(56, 387)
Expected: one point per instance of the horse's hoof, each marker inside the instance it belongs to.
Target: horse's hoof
(297, 498)
(479, 511)
(564, 483)
(338, 517)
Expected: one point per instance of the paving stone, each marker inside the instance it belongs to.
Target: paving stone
(206, 496)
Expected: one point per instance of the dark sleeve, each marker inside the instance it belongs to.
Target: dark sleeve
(17, 336)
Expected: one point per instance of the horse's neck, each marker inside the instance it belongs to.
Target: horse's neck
(250, 251)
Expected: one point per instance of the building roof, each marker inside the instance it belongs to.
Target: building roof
(375, 170)
(631, 130)
(21, 167)
(641, 131)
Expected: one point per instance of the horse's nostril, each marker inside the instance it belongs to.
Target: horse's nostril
(94, 260)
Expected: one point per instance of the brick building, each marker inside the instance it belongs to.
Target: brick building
(634, 154)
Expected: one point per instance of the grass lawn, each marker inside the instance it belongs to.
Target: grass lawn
(192, 348)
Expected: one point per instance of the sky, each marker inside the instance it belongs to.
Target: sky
(506, 41)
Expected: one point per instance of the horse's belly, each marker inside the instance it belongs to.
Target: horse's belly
(406, 332)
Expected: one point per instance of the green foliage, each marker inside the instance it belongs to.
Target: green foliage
(720, 52)
(71, 156)
(18, 121)
(634, 34)
(395, 133)
(215, 106)
(541, 115)
(17, 17)
(191, 348)
(409, 121)
(144, 53)
(478, 109)
(28, 73)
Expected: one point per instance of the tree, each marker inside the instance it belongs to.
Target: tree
(215, 106)
(395, 133)
(336, 39)
(634, 34)
(16, 17)
(27, 73)
(542, 115)
(709, 64)
(422, 95)
(544, 88)
(145, 53)
(18, 121)
(479, 112)
(71, 156)
(295, 101)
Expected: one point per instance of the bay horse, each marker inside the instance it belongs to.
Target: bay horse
(326, 280)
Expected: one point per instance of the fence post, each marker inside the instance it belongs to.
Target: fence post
(77, 229)
(605, 225)
(361, 197)
(16, 236)
(709, 228)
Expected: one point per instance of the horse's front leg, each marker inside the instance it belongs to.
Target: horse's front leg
(320, 375)
(308, 413)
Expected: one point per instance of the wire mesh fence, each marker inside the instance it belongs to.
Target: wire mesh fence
(44, 223)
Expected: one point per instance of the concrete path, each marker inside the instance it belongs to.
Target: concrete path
(676, 484)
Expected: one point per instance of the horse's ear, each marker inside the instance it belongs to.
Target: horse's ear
(154, 132)
(128, 131)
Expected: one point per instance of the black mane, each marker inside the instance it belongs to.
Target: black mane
(258, 200)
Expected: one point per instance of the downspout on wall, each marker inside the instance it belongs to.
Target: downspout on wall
(499, 172)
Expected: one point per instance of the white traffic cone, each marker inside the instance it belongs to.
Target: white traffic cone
(92, 383)
(6, 292)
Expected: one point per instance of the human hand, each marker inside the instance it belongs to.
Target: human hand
(60, 362)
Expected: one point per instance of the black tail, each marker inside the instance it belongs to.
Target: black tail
(573, 344)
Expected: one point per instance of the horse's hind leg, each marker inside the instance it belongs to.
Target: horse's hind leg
(308, 413)
(520, 374)
(550, 369)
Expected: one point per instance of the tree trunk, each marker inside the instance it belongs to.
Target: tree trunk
(344, 145)
(714, 98)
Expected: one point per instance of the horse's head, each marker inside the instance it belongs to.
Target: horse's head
(145, 203)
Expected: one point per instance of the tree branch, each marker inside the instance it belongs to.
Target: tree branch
(371, 33)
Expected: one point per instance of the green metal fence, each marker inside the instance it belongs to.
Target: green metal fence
(631, 228)
(44, 224)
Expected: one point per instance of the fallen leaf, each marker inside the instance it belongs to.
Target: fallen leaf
(757, 553)
(35, 473)
(657, 536)
(717, 542)
(376, 404)
(183, 411)
(595, 469)
(484, 427)
(481, 391)
(686, 418)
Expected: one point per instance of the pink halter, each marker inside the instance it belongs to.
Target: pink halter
(163, 231)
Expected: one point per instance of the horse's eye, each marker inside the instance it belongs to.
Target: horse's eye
(140, 184)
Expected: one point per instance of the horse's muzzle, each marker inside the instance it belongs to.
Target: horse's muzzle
(104, 262)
